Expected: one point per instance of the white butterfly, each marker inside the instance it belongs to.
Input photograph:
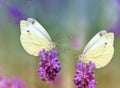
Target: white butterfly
(34, 37)
(99, 50)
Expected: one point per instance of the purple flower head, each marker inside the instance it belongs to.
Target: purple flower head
(17, 83)
(11, 83)
(118, 1)
(14, 83)
(16, 14)
(49, 65)
(115, 28)
(84, 76)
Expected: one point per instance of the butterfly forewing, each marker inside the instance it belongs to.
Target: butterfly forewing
(32, 39)
(40, 28)
(93, 41)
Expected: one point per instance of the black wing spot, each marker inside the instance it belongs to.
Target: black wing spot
(106, 43)
(28, 31)
(100, 34)
(33, 22)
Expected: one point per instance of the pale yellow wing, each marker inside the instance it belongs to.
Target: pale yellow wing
(101, 52)
(32, 39)
(94, 41)
(40, 28)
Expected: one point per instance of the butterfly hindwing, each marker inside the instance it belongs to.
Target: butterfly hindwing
(101, 55)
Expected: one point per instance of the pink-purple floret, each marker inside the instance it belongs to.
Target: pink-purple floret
(11, 83)
(49, 65)
(84, 76)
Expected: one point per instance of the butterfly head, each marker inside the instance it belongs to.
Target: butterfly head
(52, 45)
(83, 58)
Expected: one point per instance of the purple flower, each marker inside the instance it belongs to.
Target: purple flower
(14, 83)
(11, 83)
(16, 14)
(49, 65)
(17, 83)
(84, 76)
(115, 28)
(4, 82)
(118, 1)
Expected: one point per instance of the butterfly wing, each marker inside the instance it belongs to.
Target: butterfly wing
(34, 38)
(40, 28)
(101, 52)
(93, 41)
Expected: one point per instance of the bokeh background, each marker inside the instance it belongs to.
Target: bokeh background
(70, 23)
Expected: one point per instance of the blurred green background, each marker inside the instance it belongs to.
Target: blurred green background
(79, 19)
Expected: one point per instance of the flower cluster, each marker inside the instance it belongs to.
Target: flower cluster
(11, 83)
(84, 76)
(49, 65)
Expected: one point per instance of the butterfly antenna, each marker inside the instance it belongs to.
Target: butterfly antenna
(63, 39)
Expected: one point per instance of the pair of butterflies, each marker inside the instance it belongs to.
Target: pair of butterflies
(34, 38)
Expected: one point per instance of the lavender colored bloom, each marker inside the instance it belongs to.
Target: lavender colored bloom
(118, 1)
(11, 83)
(16, 14)
(49, 65)
(84, 76)
(4, 82)
(14, 83)
(17, 83)
(116, 26)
